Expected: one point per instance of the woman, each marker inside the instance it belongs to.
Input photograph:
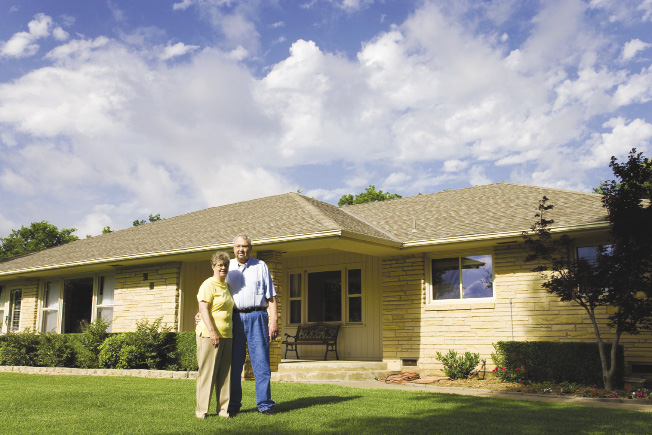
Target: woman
(214, 338)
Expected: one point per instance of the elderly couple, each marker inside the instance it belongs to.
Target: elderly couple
(233, 312)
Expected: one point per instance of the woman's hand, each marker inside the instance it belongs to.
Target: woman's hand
(214, 338)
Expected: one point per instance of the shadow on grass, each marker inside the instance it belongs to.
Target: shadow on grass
(470, 415)
(305, 402)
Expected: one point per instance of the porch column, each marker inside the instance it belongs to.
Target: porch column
(274, 261)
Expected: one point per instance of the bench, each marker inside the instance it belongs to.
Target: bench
(313, 334)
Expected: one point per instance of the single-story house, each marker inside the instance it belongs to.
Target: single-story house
(404, 278)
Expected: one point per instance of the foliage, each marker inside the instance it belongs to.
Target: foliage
(369, 195)
(187, 351)
(150, 347)
(517, 374)
(109, 356)
(458, 367)
(107, 230)
(152, 218)
(87, 344)
(54, 350)
(19, 349)
(621, 277)
(551, 361)
(36, 237)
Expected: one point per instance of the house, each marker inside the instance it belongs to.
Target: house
(405, 278)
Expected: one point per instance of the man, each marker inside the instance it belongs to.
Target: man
(255, 323)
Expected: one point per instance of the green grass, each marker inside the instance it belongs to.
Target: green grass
(120, 405)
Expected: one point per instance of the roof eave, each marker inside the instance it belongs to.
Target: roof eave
(503, 235)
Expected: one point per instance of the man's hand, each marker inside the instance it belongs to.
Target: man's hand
(272, 311)
(197, 318)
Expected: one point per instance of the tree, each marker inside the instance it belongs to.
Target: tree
(620, 276)
(38, 236)
(107, 230)
(370, 195)
(153, 218)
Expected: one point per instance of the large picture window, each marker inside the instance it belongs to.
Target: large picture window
(461, 278)
(333, 295)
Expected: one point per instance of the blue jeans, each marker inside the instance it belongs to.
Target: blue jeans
(251, 329)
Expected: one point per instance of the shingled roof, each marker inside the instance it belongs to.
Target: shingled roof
(499, 208)
(492, 209)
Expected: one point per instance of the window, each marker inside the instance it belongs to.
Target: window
(2, 310)
(591, 253)
(332, 295)
(66, 305)
(355, 295)
(50, 306)
(295, 298)
(461, 278)
(16, 298)
(104, 301)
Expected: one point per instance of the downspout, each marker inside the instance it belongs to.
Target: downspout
(511, 318)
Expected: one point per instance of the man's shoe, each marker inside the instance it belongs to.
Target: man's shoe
(232, 414)
(267, 412)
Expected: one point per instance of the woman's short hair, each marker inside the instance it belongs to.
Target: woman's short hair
(220, 257)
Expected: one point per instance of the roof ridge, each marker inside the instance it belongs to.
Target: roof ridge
(314, 210)
(390, 235)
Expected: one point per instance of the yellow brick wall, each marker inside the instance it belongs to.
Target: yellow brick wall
(521, 310)
(29, 303)
(274, 261)
(137, 299)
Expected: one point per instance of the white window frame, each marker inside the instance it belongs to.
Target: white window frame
(10, 310)
(344, 274)
(4, 308)
(94, 307)
(461, 300)
(44, 309)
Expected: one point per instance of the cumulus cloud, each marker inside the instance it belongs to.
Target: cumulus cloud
(23, 44)
(618, 142)
(178, 49)
(431, 102)
(632, 47)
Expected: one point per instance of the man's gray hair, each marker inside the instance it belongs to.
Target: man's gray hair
(243, 236)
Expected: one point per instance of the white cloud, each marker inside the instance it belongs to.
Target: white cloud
(178, 49)
(454, 165)
(23, 44)
(632, 47)
(353, 5)
(60, 34)
(636, 89)
(618, 142)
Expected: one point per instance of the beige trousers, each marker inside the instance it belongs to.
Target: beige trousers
(214, 372)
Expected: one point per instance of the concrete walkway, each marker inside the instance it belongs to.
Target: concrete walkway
(624, 404)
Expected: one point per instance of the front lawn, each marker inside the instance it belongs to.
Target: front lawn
(112, 405)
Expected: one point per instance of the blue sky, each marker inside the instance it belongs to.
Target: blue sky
(112, 110)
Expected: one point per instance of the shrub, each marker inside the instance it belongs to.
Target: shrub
(87, 344)
(54, 350)
(187, 351)
(155, 345)
(109, 356)
(150, 347)
(556, 362)
(19, 349)
(457, 367)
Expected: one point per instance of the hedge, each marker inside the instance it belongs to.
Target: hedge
(547, 361)
(150, 347)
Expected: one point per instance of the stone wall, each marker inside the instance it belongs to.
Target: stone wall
(520, 310)
(146, 292)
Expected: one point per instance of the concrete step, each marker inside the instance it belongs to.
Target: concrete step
(316, 371)
(330, 376)
(294, 366)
